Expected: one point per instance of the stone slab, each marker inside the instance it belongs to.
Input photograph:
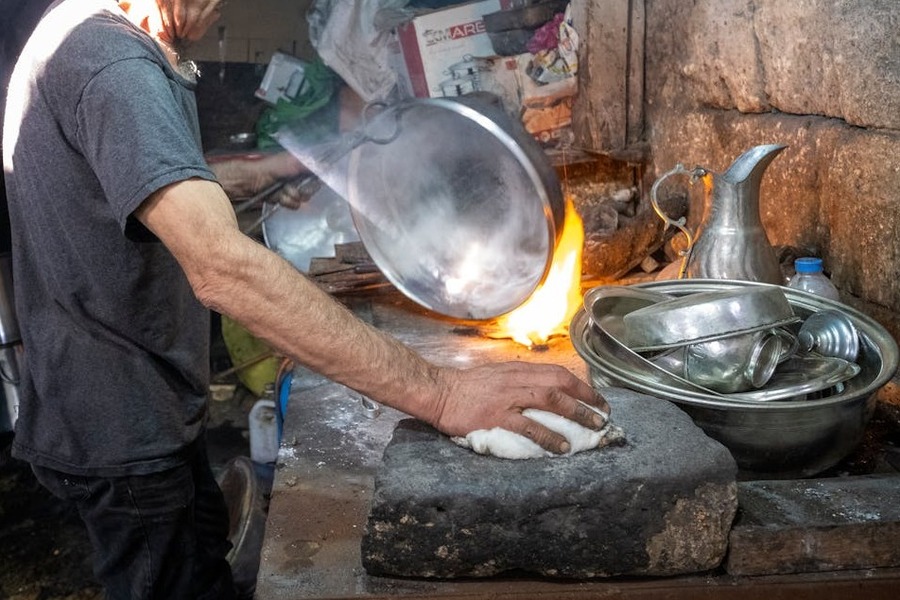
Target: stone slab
(816, 525)
(662, 504)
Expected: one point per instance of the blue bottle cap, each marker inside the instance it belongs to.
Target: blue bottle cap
(808, 265)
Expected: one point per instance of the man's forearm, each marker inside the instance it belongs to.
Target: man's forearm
(242, 279)
(275, 302)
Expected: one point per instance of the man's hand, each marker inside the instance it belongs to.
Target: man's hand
(295, 192)
(244, 177)
(188, 20)
(495, 395)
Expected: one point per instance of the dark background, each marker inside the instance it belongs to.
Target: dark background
(18, 20)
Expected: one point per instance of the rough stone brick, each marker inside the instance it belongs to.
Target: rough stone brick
(660, 505)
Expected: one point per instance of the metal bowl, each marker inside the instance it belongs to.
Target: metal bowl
(706, 316)
(783, 439)
(608, 305)
(310, 231)
(605, 300)
(798, 379)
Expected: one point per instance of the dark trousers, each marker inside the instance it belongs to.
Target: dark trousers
(161, 536)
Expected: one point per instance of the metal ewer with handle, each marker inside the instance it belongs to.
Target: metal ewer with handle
(730, 242)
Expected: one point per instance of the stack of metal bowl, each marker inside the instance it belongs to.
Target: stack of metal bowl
(783, 378)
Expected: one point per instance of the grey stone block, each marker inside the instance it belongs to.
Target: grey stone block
(662, 504)
(837, 59)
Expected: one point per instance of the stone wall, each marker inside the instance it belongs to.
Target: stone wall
(823, 77)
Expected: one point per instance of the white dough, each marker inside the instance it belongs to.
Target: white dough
(506, 444)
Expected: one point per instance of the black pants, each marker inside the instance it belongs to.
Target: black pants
(161, 536)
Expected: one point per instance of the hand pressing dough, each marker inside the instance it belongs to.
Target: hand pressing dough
(506, 444)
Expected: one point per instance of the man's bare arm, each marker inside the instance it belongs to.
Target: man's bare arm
(238, 277)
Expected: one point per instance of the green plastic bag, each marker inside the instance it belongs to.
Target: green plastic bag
(312, 115)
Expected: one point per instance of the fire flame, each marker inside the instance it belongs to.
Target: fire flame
(551, 307)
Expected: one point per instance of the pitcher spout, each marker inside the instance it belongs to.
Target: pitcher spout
(748, 168)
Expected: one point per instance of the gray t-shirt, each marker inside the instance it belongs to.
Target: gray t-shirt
(116, 360)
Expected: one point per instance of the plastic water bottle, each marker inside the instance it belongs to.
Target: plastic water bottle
(810, 278)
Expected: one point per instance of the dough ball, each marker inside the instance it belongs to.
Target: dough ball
(506, 444)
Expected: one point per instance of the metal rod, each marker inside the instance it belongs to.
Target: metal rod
(259, 197)
(252, 227)
(243, 365)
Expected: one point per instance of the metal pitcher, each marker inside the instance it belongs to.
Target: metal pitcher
(730, 242)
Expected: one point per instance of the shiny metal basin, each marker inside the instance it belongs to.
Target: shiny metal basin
(706, 316)
(785, 439)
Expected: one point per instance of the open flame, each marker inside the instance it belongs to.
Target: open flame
(551, 307)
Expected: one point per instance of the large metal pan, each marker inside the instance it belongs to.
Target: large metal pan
(456, 203)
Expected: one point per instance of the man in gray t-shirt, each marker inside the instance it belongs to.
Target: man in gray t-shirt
(122, 240)
(90, 270)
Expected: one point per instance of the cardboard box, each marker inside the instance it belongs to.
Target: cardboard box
(507, 77)
(437, 53)
(545, 110)
(550, 126)
(284, 78)
(448, 53)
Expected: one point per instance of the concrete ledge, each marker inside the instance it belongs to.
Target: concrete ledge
(816, 525)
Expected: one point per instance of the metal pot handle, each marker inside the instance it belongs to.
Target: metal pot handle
(373, 109)
(695, 174)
